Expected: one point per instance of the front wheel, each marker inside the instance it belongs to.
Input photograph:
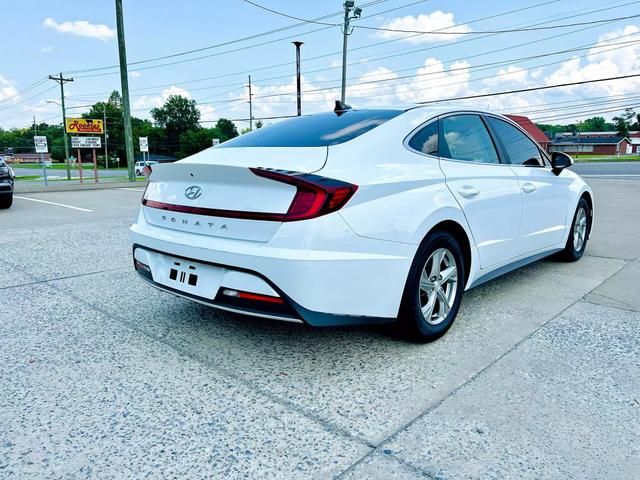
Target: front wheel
(434, 288)
(579, 234)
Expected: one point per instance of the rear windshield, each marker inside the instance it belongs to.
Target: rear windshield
(317, 130)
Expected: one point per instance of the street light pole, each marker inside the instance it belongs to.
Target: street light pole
(124, 81)
(349, 6)
(299, 90)
(62, 81)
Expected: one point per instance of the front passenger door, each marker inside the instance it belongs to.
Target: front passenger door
(546, 197)
(486, 189)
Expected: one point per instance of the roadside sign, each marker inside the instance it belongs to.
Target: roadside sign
(215, 141)
(40, 142)
(144, 144)
(83, 125)
(85, 142)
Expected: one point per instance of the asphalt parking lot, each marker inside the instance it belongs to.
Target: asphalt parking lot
(102, 376)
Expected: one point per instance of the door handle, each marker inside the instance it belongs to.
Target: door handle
(467, 191)
(528, 187)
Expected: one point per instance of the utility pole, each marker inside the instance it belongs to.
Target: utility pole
(35, 127)
(106, 136)
(62, 81)
(349, 6)
(124, 81)
(250, 106)
(298, 44)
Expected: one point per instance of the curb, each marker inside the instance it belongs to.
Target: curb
(74, 187)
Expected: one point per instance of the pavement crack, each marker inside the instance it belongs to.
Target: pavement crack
(469, 381)
(323, 422)
(47, 280)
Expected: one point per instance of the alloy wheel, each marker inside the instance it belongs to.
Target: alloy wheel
(438, 286)
(580, 229)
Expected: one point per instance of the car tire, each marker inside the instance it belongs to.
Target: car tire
(433, 293)
(6, 201)
(579, 234)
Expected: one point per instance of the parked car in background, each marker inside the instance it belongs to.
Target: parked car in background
(359, 216)
(139, 167)
(6, 185)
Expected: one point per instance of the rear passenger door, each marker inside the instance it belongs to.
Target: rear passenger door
(546, 197)
(486, 188)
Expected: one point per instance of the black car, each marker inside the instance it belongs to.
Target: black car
(6, 185)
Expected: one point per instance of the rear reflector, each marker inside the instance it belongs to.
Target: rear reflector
(142, 266)
(251, 296)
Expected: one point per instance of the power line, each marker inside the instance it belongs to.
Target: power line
(24, 90)
(253, 70)
(512, 30)
(217, 45)
(531, 89)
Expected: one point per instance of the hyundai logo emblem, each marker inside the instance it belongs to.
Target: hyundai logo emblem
(193, 192)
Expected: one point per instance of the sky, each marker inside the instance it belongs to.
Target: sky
(386, 67)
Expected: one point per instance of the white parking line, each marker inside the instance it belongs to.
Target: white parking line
(131, 189)
(53, 203)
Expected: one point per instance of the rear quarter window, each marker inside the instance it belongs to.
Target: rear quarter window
(320, 130)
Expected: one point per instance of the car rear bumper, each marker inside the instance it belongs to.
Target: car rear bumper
(321, 287)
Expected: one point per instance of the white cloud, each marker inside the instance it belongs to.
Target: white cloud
(81, 28)
(512, 75)
(603, 60)
(146, 103)
(7, 90)
(430, 22)
(135, 74)
(47, 49)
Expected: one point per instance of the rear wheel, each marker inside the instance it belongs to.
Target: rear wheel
(579, 234)
(6, 201)
(434, 288)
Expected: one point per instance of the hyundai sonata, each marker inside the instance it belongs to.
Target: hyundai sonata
(357, 216)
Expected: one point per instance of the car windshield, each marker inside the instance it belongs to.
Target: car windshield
(318, 130)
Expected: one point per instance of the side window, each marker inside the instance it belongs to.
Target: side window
(426, 139)
(464, 137)
(518, 147)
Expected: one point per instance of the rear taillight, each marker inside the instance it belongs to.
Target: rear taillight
(315, 196)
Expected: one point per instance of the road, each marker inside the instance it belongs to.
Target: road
(631, 169)
(102, 376)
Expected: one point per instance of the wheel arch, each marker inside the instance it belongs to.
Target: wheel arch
(460, 234)
(589, 199)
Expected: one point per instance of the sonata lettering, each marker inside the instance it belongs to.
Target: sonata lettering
(196, 223)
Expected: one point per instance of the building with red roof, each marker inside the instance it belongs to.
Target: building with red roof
(530, 127)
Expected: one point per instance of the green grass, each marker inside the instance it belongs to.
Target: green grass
(28, 177)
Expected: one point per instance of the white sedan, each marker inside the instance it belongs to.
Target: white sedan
(359, 216)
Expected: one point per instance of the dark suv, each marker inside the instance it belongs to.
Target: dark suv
(6, 185)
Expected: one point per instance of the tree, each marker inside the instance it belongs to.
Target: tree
(227, 129)
(259, 124)
(594, 124)
(193, 141)
(112, 110)
(178, 114)
(624, 122)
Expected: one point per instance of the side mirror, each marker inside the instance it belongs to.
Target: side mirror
(560, 161)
